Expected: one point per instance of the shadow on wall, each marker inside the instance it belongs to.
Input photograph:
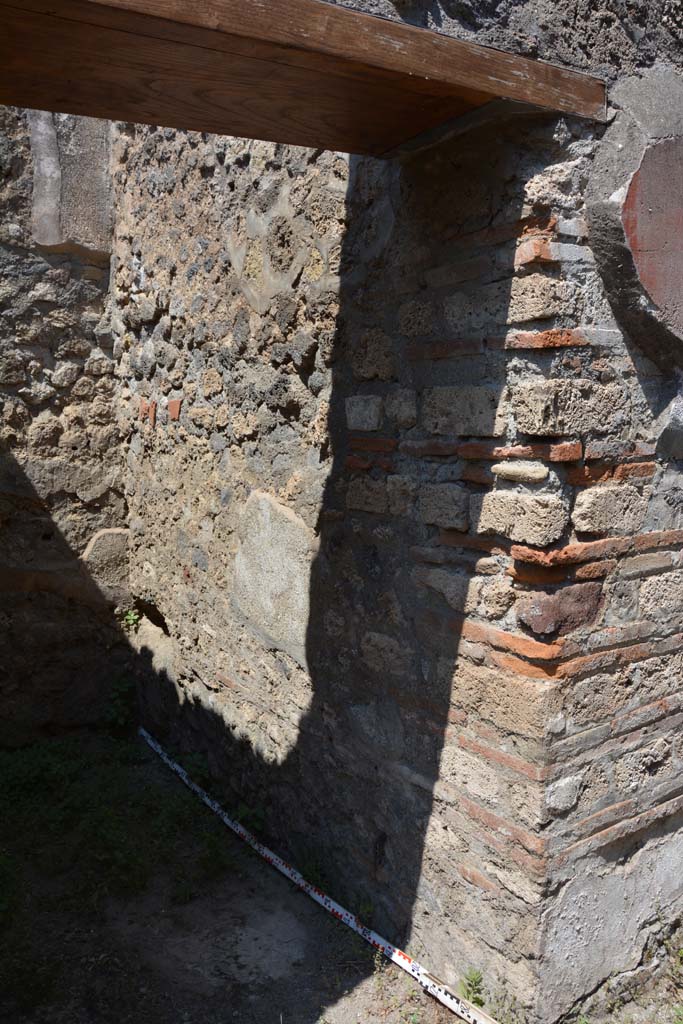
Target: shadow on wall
(417, 369)
(61, 646)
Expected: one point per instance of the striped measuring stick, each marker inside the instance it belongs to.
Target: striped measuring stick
(445, 995)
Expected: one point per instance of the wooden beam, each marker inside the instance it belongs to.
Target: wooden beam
(297, 71)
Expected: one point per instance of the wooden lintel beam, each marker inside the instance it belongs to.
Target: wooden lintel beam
(298, 71)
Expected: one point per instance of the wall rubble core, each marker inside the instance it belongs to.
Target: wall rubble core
(406, 537)
(64, 555)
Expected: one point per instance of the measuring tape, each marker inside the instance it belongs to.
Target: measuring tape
(466, 1011)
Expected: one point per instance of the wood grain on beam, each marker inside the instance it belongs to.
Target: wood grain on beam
(296, 71)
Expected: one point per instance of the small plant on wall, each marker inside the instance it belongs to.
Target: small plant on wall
(131, 620)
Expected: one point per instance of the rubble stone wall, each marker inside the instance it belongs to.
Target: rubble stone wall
(404, 535)
(412, 563)
(63, 564)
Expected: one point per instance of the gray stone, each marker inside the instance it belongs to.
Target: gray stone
(12, 368)
(272, 572)
(609, 509)
(106, 560)
(670, 440)
(65, 375)
(37, 393)
(457, 587)
(464, 411)
(520, 471)
(401, 492)
(367, 495)
(364, 412)
(443, 505)
(563, 795)
(385, 654)
(661, 598)
(372, 356)
(98, 364)
(401, 407)
(532, 519)
(557, 407)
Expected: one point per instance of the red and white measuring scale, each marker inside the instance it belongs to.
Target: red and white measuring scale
(461, 1007)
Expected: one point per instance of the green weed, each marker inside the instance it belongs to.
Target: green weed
(472, 987)
(131, 620)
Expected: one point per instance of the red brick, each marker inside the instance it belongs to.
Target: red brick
(445, 349)
(442, 449)
(455, 539)
(476, 878)
(528, 862)
(511, 832)
(595, 822)
(486, 731)
(557, 338)
(541, 575)
(545, 575)
(600, 660)
(174, 406)
(636, 470)
(524, 646)
(534, 250)
(538, 225)
(152, 414)
(477, 475)
(573, 553)
(624, 828)
(621, 656)
(599, 472)
(457, 717)
(524, 228)
(357, 462)
(143, 409)
(562, 611)
(618, 451)
(583, 476)
(595, 570)
(563, 451)
(662, 539)
(646, 714)
(510, 663)
(516, 764)
(373, 444)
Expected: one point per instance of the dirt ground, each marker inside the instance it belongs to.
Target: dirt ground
(124, 901)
